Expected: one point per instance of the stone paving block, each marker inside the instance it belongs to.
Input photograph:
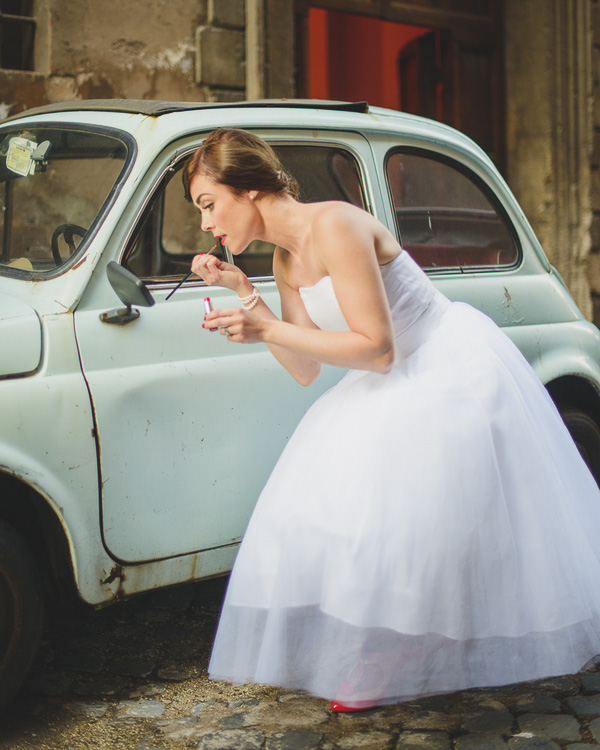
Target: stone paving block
(393, 721)
(147, 745)
(232, 739)
(549, 726)
(95, 710)
(585, 705)
(528, 742)
(595, 729)
(234, 720)
(243, 702)
(590, 681)
(567, 685)
(580, 746)
(489, 702)
(538, 704)
(152, 690)
(364, 741)
(489, 721)
(140, 709)
(295, 739)
(200, 708)
(432, 720)
(481, 741)
(180, 730)
(299, 713)
(423, 741)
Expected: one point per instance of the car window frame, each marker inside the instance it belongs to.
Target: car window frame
(132, 152)
(488, 192)
(169, 170)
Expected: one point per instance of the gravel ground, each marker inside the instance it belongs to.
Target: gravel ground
(133, 677)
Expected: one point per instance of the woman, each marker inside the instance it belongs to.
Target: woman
(430, 526)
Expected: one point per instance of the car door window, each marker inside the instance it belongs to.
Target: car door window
(170, 233)
(445, 217)
(56, 184)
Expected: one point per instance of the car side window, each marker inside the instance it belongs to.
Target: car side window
(445, 217)
(170, 234)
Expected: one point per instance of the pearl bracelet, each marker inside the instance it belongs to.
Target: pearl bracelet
(250, 302)
(249, 297)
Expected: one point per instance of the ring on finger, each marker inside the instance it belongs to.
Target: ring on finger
(226, 329)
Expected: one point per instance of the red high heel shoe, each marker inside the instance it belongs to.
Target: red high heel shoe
(360, 706)
(339, 707)
(355, 693)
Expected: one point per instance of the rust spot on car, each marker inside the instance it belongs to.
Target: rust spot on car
(116, 572)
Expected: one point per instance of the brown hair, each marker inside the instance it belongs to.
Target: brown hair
(240, 160)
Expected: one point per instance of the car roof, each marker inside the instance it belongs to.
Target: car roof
(359, 116)
(154, 108)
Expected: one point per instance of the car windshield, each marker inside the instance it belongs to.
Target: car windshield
(54, 183)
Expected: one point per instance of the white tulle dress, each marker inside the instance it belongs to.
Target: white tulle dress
(437, 521)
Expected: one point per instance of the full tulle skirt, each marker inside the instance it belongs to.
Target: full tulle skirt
(437, 521)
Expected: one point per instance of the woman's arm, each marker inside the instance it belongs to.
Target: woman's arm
(218, 273)
(344, 240)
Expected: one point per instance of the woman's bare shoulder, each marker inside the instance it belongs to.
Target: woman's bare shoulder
(338, 213)
(350, 228)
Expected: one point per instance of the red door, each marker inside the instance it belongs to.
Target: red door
(449, 68)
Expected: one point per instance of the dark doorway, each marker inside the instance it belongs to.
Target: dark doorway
(449, 69)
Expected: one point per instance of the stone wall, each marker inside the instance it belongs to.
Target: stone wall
(550, 144)
(188, 50)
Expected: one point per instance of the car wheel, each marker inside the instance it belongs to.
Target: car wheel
(21, 611)
(586, 435)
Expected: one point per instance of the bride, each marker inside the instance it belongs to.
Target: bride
(430, 526)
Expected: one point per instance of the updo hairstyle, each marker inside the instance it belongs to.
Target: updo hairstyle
(240, 160)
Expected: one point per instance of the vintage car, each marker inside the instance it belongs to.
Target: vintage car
(134, 444)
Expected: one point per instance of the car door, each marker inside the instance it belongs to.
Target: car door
(190, 425)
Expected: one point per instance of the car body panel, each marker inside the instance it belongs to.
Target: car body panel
(21, 336)
(195, 425)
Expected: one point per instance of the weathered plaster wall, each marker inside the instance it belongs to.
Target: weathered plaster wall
(190, 50)
(111, 48)
(550, 132)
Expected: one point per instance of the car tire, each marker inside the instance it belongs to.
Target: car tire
(586, 435)
(21, 611)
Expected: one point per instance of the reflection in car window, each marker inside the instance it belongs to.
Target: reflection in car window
(53, 186)
(170, 233)
(444, 218)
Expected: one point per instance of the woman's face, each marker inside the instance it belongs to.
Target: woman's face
(232, 218)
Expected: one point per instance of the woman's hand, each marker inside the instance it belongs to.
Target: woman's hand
(239, 325)
(217, 272)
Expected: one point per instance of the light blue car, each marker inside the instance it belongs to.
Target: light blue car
(133, 444)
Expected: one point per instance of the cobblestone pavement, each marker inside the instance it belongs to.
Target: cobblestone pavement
(133, 677)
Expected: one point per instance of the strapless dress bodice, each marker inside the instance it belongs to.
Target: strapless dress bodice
(410, 293)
